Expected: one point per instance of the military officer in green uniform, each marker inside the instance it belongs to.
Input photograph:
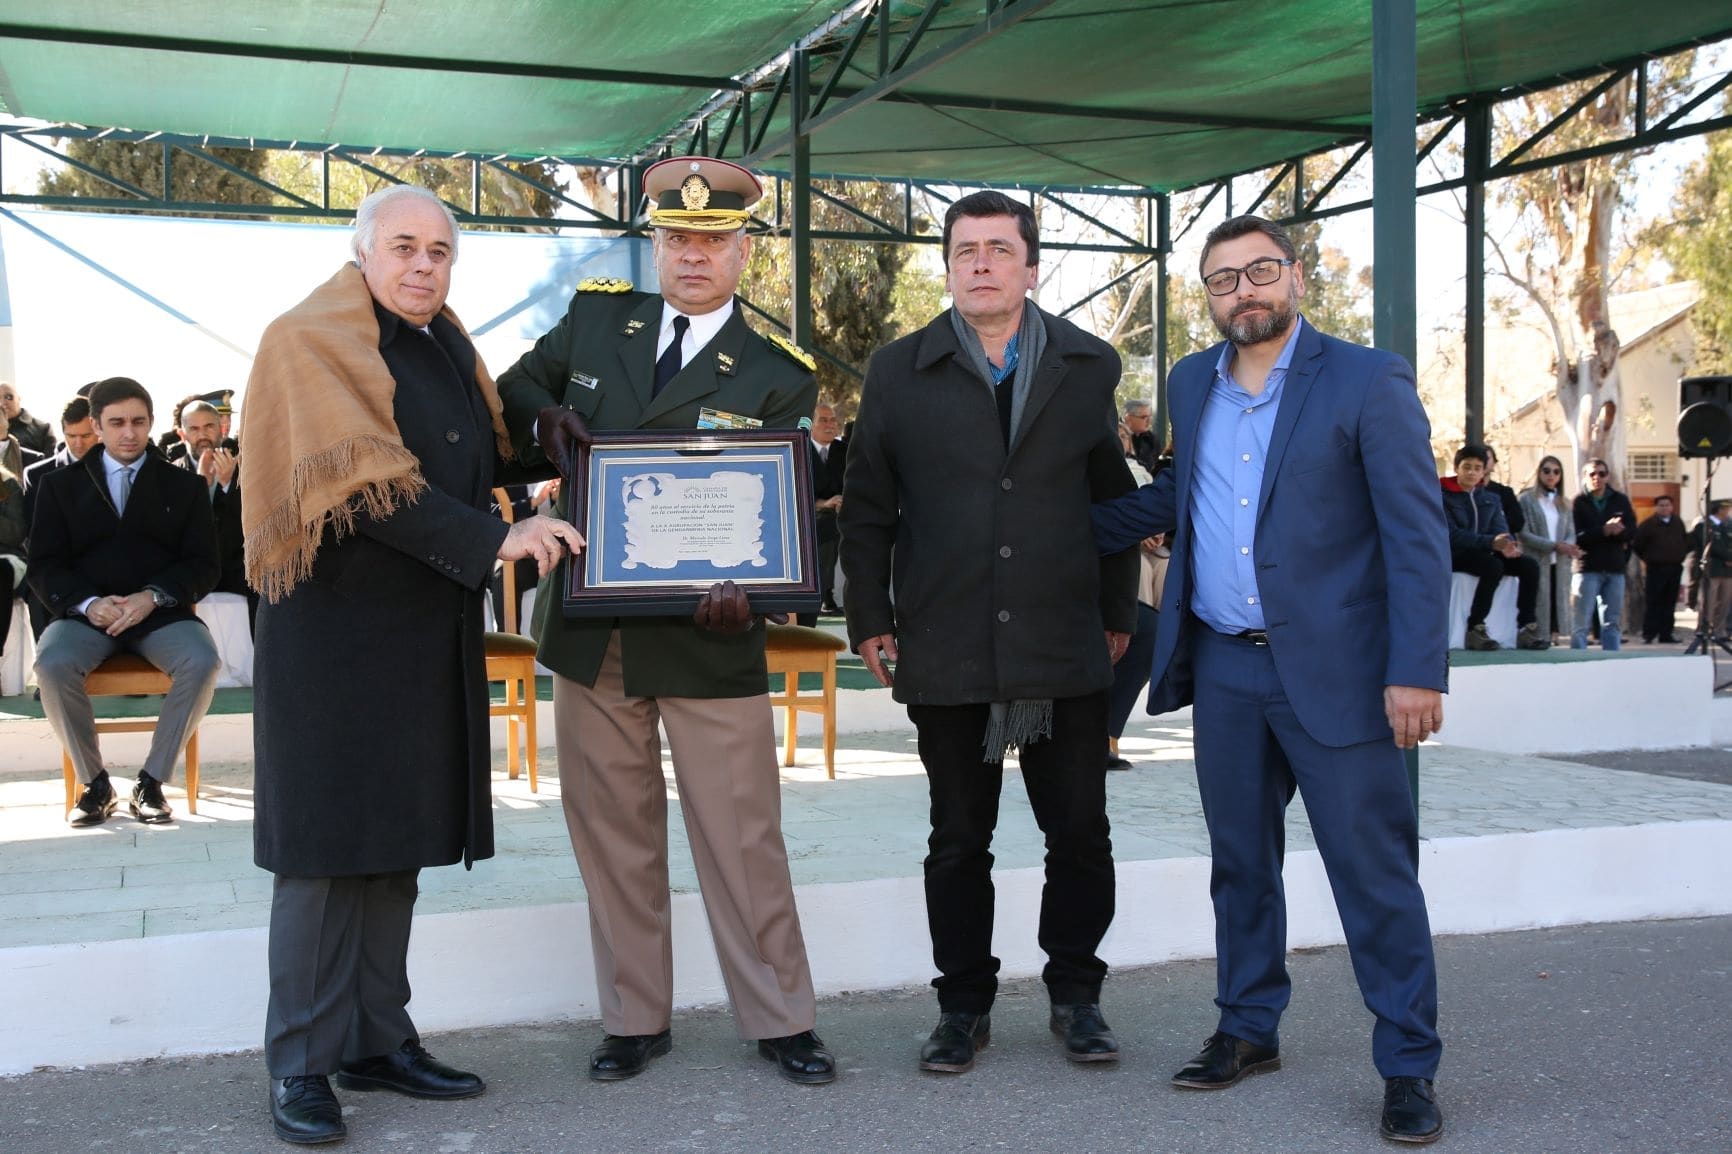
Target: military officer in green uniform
(623, 359)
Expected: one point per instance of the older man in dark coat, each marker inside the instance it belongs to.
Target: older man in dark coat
(980, 442)
(367, 532)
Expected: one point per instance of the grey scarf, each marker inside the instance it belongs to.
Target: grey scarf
(1012, 724)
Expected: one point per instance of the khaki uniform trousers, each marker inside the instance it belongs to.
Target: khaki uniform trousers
(615, 799)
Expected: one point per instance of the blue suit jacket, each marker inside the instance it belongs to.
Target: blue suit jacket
(1351, 547)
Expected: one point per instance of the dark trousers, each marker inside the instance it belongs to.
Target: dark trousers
(827, 568)
(1491, 568)
(6, 583)
(1251, 753)
(1065, 776)
(1131, 674)
(338, 958)
(1661, 590)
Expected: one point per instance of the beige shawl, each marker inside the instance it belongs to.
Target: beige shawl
(321, 444)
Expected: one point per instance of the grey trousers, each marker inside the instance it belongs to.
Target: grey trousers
(339, 967)
(69, 650)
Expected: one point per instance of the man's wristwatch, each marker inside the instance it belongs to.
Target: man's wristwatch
(160, 599)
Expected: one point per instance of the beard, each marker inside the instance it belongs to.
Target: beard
(1244, 326)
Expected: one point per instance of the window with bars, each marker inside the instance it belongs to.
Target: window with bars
(1653, 467)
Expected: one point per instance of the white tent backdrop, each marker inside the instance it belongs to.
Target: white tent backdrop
(179, 304)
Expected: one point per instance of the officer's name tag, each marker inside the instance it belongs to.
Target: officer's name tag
(716, 419)
(583, 379)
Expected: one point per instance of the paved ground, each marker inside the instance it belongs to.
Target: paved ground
(1712, 765)
(1602, 1039)
(123, 880)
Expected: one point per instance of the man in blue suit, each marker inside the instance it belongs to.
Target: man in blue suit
(1305, 618)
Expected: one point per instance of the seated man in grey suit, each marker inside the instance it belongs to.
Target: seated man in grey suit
(121, 547)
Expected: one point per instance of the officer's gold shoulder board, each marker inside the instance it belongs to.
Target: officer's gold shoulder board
(603, 284)
(793, 351)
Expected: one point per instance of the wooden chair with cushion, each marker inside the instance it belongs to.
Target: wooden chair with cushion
(511, 659)
(795, 649)
(122, 675)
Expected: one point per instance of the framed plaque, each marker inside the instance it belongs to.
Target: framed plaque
(666, 513)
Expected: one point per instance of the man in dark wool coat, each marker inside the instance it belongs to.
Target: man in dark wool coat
(1004, 624)
(377, 431)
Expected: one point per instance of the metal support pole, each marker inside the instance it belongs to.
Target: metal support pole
(1393, 115)
(1163, 246)
(800, 294)
(1394, 100)
(1476, 159)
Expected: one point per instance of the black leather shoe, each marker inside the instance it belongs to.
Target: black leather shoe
(305, 1112)
(1114, 761)
(801, 1057)
(96, 803)
(622, 1056)
(1226, 1061)
(410, 1070)
(954, 1042)
(148, 805)
(1410, 1112)
(1087, 1037)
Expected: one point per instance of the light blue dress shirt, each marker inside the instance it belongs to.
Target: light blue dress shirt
(1232, 446)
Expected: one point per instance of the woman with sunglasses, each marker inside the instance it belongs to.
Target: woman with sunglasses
(1548, 535)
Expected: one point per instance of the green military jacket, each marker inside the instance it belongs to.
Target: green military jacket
(600, 361)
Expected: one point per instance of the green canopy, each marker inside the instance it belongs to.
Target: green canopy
(1157, 94)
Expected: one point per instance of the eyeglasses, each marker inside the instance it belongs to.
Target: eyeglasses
(1260, 272)
(1598, 473)
(1549, 469)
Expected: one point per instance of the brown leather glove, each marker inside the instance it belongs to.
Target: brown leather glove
(559, 431)
(726, 609)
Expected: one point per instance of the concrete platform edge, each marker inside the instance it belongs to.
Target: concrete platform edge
(81, 1004)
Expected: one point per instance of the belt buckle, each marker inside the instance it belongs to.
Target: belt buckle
(1254, 636)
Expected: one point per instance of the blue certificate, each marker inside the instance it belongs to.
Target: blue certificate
(668, 514)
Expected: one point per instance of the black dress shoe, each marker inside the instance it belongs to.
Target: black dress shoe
(801, 1058)
(410, 1070)
(96, 803)
(955, 1041)
(305, 1112)
(1087, 1037)
(1225, 1061)
(1410, 1112)
(1114, 761)
(148, 805)
(622, 1056)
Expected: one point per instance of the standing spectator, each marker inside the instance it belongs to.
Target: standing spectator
(1662, 543)
(377, 436)
(1145, 449)
(121, 548)
(1480, 543)
(28, 431)
(1304, 620)
(1005, 621)
(829, 460)
(1131, 673)
(1605, 523)
(200, 432)
(1515, 520)
(1711, 541)
(1549, 533)
(12, 526)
